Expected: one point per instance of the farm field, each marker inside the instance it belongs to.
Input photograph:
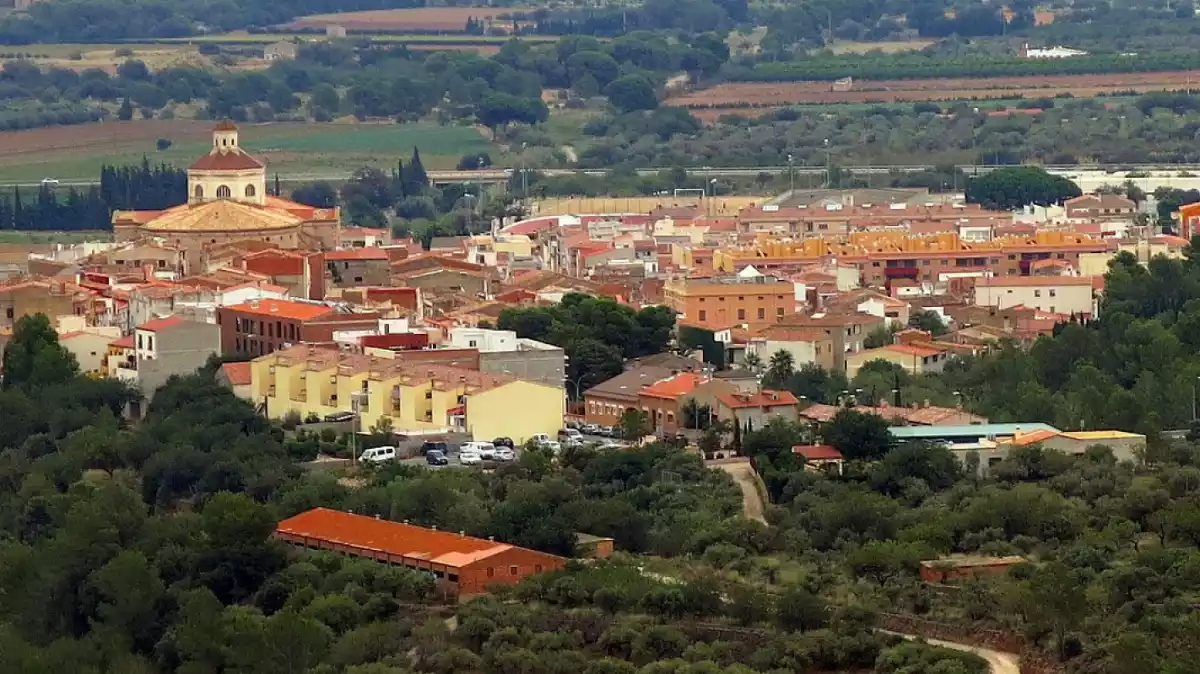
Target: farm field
(895, 47)
(415, 40)
(104, 55)
(422, 19)
(71, 153)
(773, 94)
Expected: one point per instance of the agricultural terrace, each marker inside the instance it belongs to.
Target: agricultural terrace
(774, 94)
(418, 20)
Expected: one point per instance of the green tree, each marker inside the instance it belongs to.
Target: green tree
(634, 424)
(1013, 187)
(631, 93)
(858, 435)
(780, 369)
(33, 357)
(883, 560)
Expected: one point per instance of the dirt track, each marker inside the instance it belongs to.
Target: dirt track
(748, 480)
(999, 661)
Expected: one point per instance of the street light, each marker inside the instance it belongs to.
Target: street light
(524, 174)
(791, 174)
(828, 166)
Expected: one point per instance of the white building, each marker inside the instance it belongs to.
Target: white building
(1069, 295)
(1056, 52)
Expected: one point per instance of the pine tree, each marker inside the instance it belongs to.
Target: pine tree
(18, 211)
(417, 179)
(278, 189)
(398, 186)
(125, 112)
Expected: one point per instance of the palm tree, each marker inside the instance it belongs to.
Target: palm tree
(752, 361)
(780, 369)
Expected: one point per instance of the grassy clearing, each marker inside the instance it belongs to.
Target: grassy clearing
(288, 149)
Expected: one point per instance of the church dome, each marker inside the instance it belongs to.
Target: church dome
(224, 215)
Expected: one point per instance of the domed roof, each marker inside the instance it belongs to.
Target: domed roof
(226, 159)
(225, 125)
(223, 215)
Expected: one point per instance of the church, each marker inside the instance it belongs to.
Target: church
(228, 201)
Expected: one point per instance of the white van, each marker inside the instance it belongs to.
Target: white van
(378, 454)
(485, 450)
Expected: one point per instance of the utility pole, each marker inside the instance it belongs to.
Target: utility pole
(791, 175)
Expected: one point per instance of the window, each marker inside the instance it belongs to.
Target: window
(150, 342)
(198, 192)
(491, 572)
(249, 190)
(1053, 292)
(702, 315)
(8, 313)
(876, 264)
(358, 279)
(762, 313)
(741, 314)
(429, 395)
(1037, 293)
(512, 570)
(223, 192)
(779, 312)
(139, 341)
(537, 568)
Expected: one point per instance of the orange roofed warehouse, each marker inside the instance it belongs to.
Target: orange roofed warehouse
(468, 563)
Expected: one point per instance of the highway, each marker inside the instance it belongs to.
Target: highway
(499, 175)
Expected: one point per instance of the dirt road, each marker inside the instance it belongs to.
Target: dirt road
(743, 473)
(999, 661)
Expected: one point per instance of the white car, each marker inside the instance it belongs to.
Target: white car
(470, 458)
(504, 454)
(590, 429)
(552, 445)
(50, 182)
(485, 450)
(378, 454)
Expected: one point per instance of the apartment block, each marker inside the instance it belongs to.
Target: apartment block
(717, 303)
(52, 297)
(1070, 295)
(503, 352)
(356, 267)
(260, 327)
(159, 349)
(415, 398)
(846, 330)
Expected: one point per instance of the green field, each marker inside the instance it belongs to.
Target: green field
(294, 151)
(416, 38)
(53, 237)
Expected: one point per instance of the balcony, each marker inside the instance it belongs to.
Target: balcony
(299, 396)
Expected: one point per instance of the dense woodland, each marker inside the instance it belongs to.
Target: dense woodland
(145, 547)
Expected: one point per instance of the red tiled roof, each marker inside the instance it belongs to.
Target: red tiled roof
(238, 374)
(910, 350)
(394, 538)
(226, 160)
(300, 311)
(1002, 281)
(357, 254)
(125, 342)
(765, 398)
(818, 452)
(160, 323)
(225, 125)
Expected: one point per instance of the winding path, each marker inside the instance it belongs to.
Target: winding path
(999, 661)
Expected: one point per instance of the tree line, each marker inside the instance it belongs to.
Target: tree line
(142, 187)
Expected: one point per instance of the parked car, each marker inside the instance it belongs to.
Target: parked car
(339, 416)
(606, 431)
(469, 458)
(486, 450)
(569, 434)
(572, 424)
(436, 457)
(505, 454)
(552, 445)
(378, 454)
(50, 182)
(539, 438)
(609, 445)
(434, 446)
(590, 429)
(504, 442)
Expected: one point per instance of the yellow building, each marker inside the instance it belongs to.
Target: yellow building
(415, 397)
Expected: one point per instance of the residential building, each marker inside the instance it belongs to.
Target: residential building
(990, 444)
(662, 401)
(463, 564)
(915, 360)
(353, 267)
(160, 349)
(259, 327)
(605, 402)
(280, 51)
(501, 351)
(1089, 208)
(28, 296)
(301, 272)
(720, 302)
(414, 398)
(1125, 446)
(236, 377)
(806, 345)
(820, 458)
(754, 410)
(1067, 295)
(847, 331)
(90, 347)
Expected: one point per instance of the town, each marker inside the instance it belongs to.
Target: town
(702, 415)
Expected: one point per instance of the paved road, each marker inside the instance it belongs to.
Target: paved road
(999, 661)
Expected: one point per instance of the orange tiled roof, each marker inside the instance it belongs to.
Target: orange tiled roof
(818, 452)
(673, 387)
(910, 350)
(1002, 281)
(125, 342)
(764, 398)
(394, 538)
(238, 374)
(300, 311)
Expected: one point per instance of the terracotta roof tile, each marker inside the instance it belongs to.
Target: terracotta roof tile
(357, 254)
(238, 374)
(160, 323)
(764, 398)
(226, 160)
(673, 387)
(818, 452)
(300, 311)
